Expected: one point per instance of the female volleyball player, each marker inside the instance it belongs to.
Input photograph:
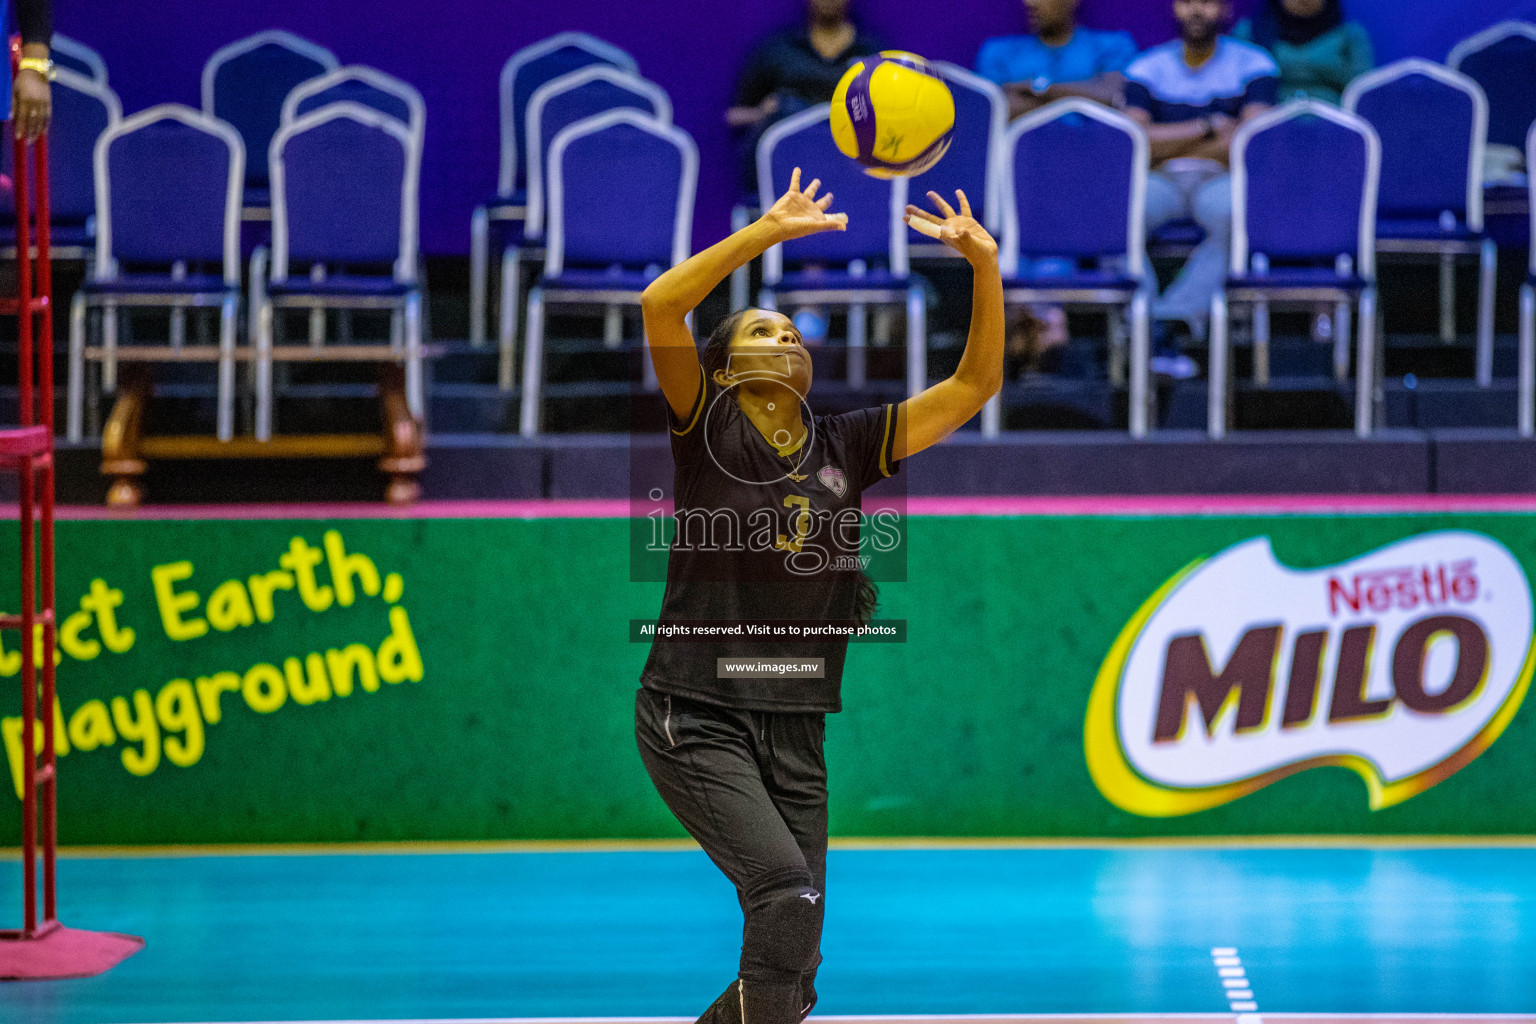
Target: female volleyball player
(767, 500)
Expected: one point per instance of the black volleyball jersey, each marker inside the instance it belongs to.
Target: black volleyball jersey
(765, 533)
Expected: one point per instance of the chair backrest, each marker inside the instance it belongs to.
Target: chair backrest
(83, 109)
(874, 205)
(345, 181)
(246, 82)
(1304, 180)
(1433, 126)
(974, 160)
(521, 76)
(73, 55)
(1074, 185)
(358, 83)
(574, 97)
(168, 188)
(621, 192)
(1530, 161)
(1501, 59)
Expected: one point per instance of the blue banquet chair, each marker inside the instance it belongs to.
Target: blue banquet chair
(1433, 126)
(245, 83)
(345, 181)
(521, 76)
(1075, 192)
(168, 200)
(1302, 237)
(620, 210)
(864, 265)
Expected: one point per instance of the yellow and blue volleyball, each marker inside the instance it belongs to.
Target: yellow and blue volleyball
(893, 114)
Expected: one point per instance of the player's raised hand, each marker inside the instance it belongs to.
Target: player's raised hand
(797, 213)
(959, 231)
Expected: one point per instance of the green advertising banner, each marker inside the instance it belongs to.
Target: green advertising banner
(227, 681)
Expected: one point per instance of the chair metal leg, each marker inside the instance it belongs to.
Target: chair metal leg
(858, 339)
(479, 272)
(880, 330)
(1488, 274)
(917, 340)
(992, 417)
(1379, 380)
(993, 412)
(1261, 344)
(1341, 341)
(511, 272)
(1117, 354)
(317, 315)
(741, 277)
(613, 326)
(229, 310)
(1140, 360)
(531, 411)
(415, 399)
(766, 299)
(424, 289)
(1365, 365)
(1447, 298)
(648, 380)
(396, 332)
(262, 344)
(75, 404)
(1526, 387)
(858, 330)
(109, 347)
(257, 292)
(1216, 414)
(178, 336)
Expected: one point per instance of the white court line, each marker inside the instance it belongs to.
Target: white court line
(1229, 968)
(889, 844)
(1029, 1018)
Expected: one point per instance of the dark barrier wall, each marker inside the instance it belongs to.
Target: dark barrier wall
(394, 679)
(453, 52)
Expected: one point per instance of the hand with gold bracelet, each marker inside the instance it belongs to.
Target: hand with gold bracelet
(31, 99)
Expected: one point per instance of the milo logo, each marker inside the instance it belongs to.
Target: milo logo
(1403, 665)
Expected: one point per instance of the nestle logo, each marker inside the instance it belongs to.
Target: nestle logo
(1404, 588)
(1240, 671)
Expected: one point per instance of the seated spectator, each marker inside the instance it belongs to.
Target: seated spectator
(788, 72)
(1318, 52)
(1191, 95)
(796, 69)
(1061, 59)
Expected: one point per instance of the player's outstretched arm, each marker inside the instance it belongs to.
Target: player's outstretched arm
(932, 415)
(672, 296)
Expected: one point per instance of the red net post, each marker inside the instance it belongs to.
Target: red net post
(27, 400)
(42, 948)
(41, 305)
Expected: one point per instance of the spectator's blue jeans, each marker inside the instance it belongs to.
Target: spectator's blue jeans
(1188, 298)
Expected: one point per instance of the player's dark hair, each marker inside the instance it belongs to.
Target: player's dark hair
(866, 598)
(717, 351)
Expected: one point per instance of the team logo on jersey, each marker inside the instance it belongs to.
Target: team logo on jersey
(1402, 665)
(833, 480)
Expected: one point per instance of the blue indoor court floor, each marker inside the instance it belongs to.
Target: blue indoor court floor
(1051, 931)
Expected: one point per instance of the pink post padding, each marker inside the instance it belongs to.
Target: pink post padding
(63, 952)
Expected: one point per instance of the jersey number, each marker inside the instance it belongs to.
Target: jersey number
(801, 520)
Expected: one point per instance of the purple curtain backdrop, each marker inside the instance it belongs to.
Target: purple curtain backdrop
(453, 53)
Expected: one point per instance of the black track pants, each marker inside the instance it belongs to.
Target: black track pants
(751, 788)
